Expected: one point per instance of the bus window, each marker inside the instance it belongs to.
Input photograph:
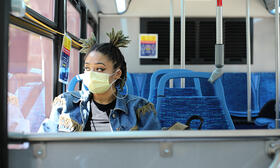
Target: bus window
(45, 8)
(30, 84)
(73, 20)
(74, 65)
(89, 30)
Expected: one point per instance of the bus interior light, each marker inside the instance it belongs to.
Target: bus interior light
(121, 5)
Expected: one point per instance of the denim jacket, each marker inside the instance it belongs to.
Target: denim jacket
(70, 112)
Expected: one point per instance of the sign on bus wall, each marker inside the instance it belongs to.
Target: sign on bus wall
(148, 46)
(65, 59)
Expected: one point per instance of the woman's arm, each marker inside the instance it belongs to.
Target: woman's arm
(51, 124)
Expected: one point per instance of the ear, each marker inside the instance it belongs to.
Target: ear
(118, 74)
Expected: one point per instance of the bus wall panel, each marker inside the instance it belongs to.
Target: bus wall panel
(143, 154)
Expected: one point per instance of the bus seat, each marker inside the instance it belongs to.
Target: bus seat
(235, 88)
(76, 79)
(265, 122)
(265, 93)
(132, 88)
(212, 109)
(156, 77)
(266, 88)
(145, 85)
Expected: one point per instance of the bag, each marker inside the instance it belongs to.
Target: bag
(180, 126)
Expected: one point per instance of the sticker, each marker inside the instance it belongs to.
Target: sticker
(148, 44)
(65, 59)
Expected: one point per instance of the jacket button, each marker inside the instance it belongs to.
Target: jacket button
(114, 115)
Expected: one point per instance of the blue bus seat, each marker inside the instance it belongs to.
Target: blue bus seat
(132, 87)
(76, 79)
(156, 77)
(267, 122)
(266, 88)
(145, 85)
(235, 88)
(212, 109)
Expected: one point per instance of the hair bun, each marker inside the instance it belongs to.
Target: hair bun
(118, 39)
(87, 44)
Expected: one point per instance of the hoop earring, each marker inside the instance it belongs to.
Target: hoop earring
(125, 95)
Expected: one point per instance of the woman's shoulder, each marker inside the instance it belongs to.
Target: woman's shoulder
(134, 98)
(139, 103)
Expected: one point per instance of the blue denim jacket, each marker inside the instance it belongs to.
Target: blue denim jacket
(70, 112)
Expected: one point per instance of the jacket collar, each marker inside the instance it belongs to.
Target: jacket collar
(121, 103)
(83, 96)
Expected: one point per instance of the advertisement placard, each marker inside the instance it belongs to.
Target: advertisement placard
(148, 46)
(65, 59)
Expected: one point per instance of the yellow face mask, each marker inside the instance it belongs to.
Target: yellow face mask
(97, 82)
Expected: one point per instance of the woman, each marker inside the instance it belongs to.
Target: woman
(102, 107)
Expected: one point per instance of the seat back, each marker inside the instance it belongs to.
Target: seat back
(155, 79)
(76, 79)
(212, 109)
(132, 89)
(235, 88)
(266, 88)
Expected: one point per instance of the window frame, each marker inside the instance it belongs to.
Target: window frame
(45, 20)
(4, 40)
(80, 7)
(92, 22)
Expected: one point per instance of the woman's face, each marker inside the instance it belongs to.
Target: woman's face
(99, 62)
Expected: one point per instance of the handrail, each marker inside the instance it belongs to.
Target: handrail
(146, 135)
(277, 63)
(171, 45)
(248, 42)
(183, 40)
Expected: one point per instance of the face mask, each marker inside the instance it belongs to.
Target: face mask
(97, 82)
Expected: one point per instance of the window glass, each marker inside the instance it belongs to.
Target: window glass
(43, 7)
(89, 30)
(74, 65)
(30, 85)
(73, 20)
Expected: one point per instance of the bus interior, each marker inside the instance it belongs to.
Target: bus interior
(187, 57)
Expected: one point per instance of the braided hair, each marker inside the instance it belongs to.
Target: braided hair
(111, 50)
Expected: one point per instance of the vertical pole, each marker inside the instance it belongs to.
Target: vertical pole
(4, 40)
(219, 46)
(248, 42)
(171, 46)
(277, 63)
(219, 23)
(183, 38)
